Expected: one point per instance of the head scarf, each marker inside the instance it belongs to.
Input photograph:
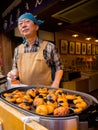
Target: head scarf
(31, 17)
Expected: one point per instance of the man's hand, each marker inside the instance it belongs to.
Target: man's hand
(13, 74)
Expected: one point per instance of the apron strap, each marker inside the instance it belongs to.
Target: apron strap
(42, 47)
(21, 48)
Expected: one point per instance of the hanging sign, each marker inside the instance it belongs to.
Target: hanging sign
(32, 6)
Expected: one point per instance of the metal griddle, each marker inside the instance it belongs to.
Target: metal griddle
(90, 100)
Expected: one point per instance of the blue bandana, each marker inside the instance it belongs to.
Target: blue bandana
(31, 17)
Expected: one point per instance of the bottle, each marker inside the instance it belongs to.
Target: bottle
(8, 83)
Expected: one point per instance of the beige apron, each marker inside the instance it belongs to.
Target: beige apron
(32, 67)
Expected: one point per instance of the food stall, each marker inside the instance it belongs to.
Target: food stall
(11, 118)
(16, 117)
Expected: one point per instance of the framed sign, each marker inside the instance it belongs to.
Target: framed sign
(93, 49)
(96, 49)
(89, 48)
(83, 48)
(71, 47)
(64, 47)
(78, 48)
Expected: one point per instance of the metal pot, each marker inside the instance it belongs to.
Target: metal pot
(69, 122)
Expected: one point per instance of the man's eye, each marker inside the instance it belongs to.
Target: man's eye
(27, 21)
(20, 24)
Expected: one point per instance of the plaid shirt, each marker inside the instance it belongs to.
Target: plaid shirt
(50, 54)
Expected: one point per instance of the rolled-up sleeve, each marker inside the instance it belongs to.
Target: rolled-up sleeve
(56, 59)
(52, 56)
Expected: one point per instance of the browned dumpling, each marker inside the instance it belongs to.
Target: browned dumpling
(50, 109)
(19, 100)
(25, 99)
(63, 103)
(24, 106)
(61, 99)
(81, 105)
(7, 94)
(76, 110)
(52, 91)
(28, 99)
(77, 100)
(43, 90)
(59, 92)
(61, 111)
(31, 92)
(38, 101)
(70, 96)
(19, 94)
(11, 98)
(42, 110)
(52, 103)
(51, 96)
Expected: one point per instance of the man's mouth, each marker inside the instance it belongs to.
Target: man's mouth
(25, 30)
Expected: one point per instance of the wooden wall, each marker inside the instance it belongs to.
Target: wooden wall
(6, 52)
(70, 59)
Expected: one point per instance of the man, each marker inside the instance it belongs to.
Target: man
(34, 60)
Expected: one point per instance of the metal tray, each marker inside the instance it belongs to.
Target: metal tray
(90, 100)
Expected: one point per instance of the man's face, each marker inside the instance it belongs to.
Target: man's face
(27, 28)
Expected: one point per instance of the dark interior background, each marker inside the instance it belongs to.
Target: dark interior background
(78, 15)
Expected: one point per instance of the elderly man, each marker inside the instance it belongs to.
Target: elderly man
(34, 60)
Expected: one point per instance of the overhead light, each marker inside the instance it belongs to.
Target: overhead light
(88, 38)
(60, 23)
(96, 40)
(75, 35)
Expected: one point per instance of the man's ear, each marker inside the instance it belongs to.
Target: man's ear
(37, 27)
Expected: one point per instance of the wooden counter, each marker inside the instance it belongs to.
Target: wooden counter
(11, 119)
(79, 84)
(93, 79)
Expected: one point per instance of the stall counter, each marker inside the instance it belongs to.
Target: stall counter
(11, 119)
(93, 79)
(78, 84)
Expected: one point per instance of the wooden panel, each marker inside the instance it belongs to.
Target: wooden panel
(7, 53)
(11, 119)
